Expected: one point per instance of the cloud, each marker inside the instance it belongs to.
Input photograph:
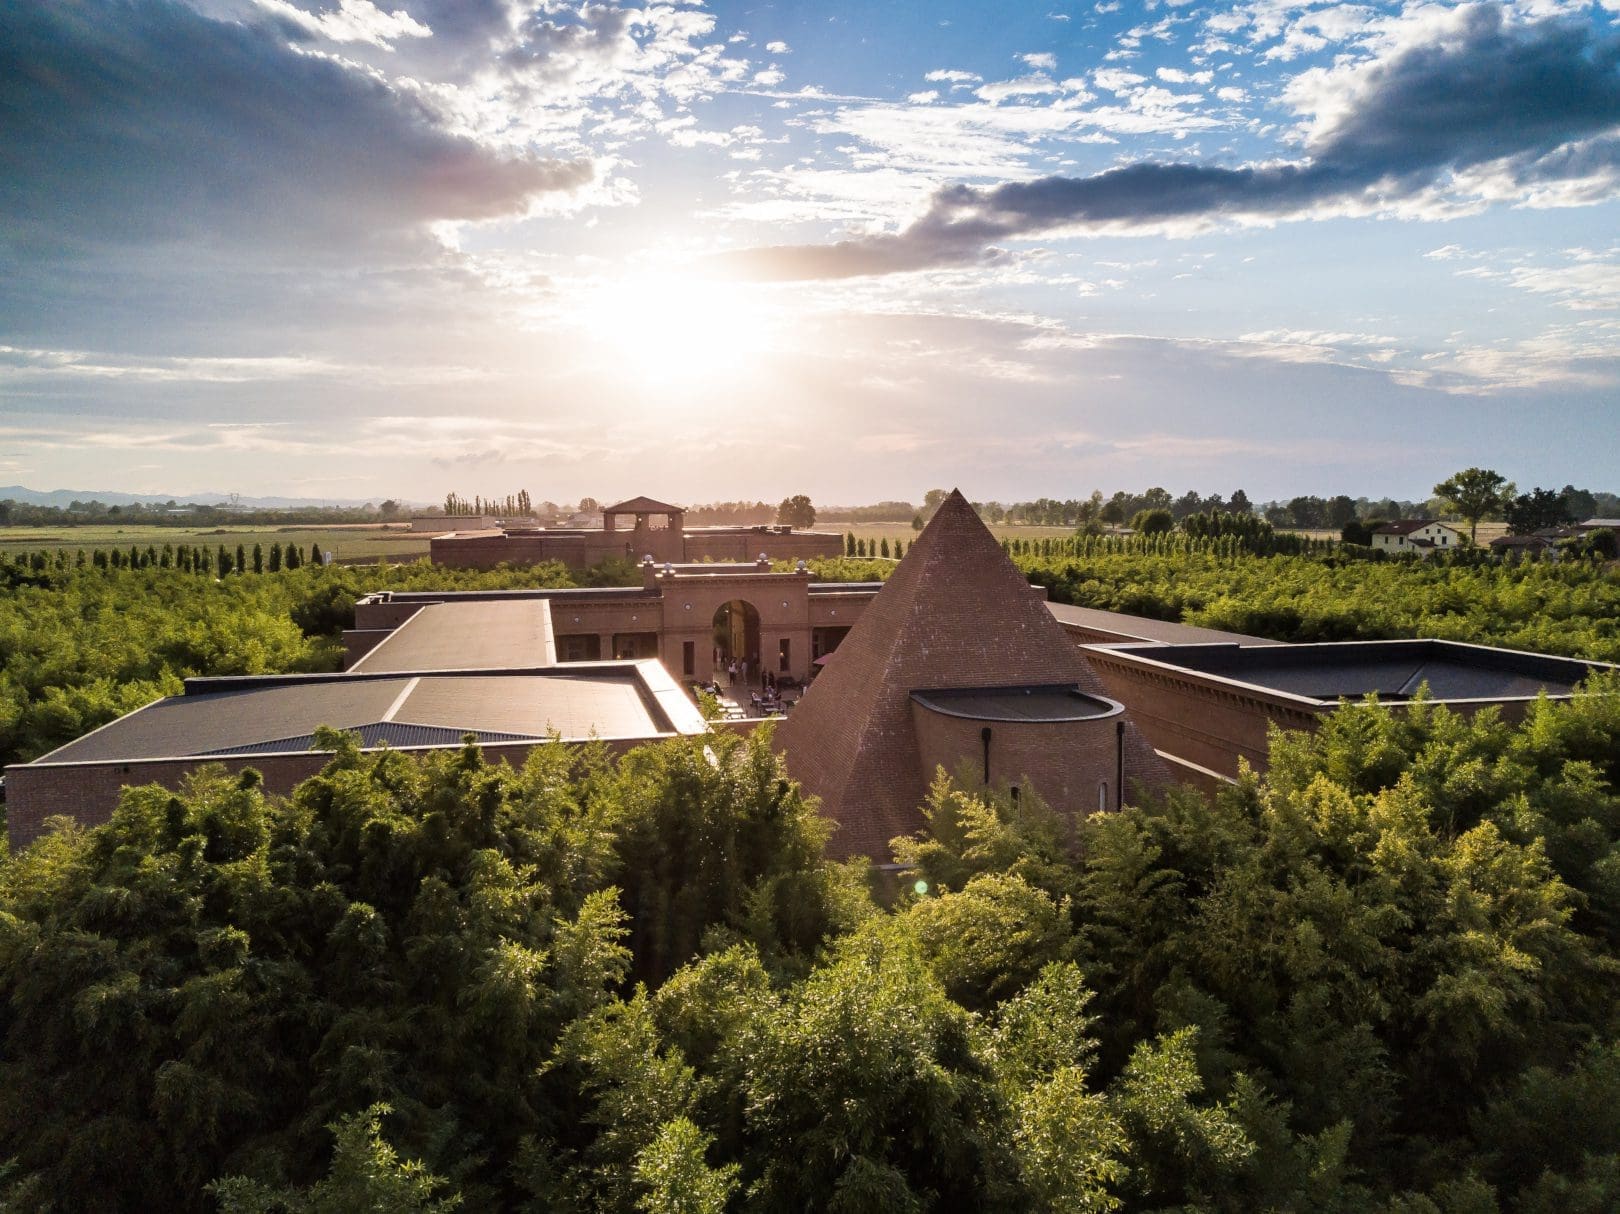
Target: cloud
(128, 124)
(1171, 75)
(1483, 104)
(1024, 86)
(354, 21)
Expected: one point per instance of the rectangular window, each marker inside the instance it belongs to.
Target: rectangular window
(689, 658)
(784, 655)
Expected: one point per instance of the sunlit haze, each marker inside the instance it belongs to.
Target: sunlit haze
(720, 251)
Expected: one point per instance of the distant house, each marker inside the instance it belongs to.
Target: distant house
(1515, 547)
(1416, 535)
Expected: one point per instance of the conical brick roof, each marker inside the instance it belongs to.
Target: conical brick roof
(956, 613)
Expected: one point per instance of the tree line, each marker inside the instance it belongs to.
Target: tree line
(1378, 980)
(513, 505)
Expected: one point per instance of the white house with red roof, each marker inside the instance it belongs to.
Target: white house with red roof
(1416, 535)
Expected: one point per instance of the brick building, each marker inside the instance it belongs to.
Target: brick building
(956, 664)
(956, 661)
(631, 530)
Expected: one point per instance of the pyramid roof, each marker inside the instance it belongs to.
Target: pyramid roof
(956, 613)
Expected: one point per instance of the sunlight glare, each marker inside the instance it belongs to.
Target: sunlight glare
(669, 327)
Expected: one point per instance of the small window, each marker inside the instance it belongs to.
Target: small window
(689, 657)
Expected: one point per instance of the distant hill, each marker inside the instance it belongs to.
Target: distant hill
(66, 497)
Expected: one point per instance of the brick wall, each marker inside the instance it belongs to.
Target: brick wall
(1063, 761)
(747, 545)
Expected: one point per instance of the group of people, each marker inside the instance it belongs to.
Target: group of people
(737, 672)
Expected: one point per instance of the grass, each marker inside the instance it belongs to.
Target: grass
(350, 544)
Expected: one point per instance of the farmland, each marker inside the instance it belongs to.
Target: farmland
(348, 543)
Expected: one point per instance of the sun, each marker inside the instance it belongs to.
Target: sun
(668, 327)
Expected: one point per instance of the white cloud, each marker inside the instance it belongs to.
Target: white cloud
(778, 48)
(1116, 80)
(354, 21)
(1042, 62)
(1024, 86)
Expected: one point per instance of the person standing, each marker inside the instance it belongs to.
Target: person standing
(731, 671)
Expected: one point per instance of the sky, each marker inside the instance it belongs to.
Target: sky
(721, 251)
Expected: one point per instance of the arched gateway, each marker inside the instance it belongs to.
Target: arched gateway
(736, 633)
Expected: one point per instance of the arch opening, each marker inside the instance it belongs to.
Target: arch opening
(736, 634)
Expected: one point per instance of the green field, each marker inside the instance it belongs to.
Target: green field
(350, 544)
(903, 531)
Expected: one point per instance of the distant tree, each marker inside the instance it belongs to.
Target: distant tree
(1530, 512)
(294, 557)
(1156, 499)
(1355, 531)
(1152, 522)
(389, 509)
(1340, 510)
(917, 522)
(1240, 503)
(274, 563)
(1307, 511)
(849, 543)
(241, 559)
(883, 547)
(796, 511)
(589, 505)
(315, 557)
(1190, 502)
(1473, 493)
(1580, 503)
(1117, 510)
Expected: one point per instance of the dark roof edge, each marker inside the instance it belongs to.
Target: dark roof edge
(202, 685)
(930, 697)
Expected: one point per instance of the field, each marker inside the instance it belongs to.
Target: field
(1488, 531)
(876, 532)
(349, 544)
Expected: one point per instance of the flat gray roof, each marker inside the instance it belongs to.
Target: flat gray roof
(1049, 703)
(1393, 670)
(477, 635)
(220, 717)
(1130, 628)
